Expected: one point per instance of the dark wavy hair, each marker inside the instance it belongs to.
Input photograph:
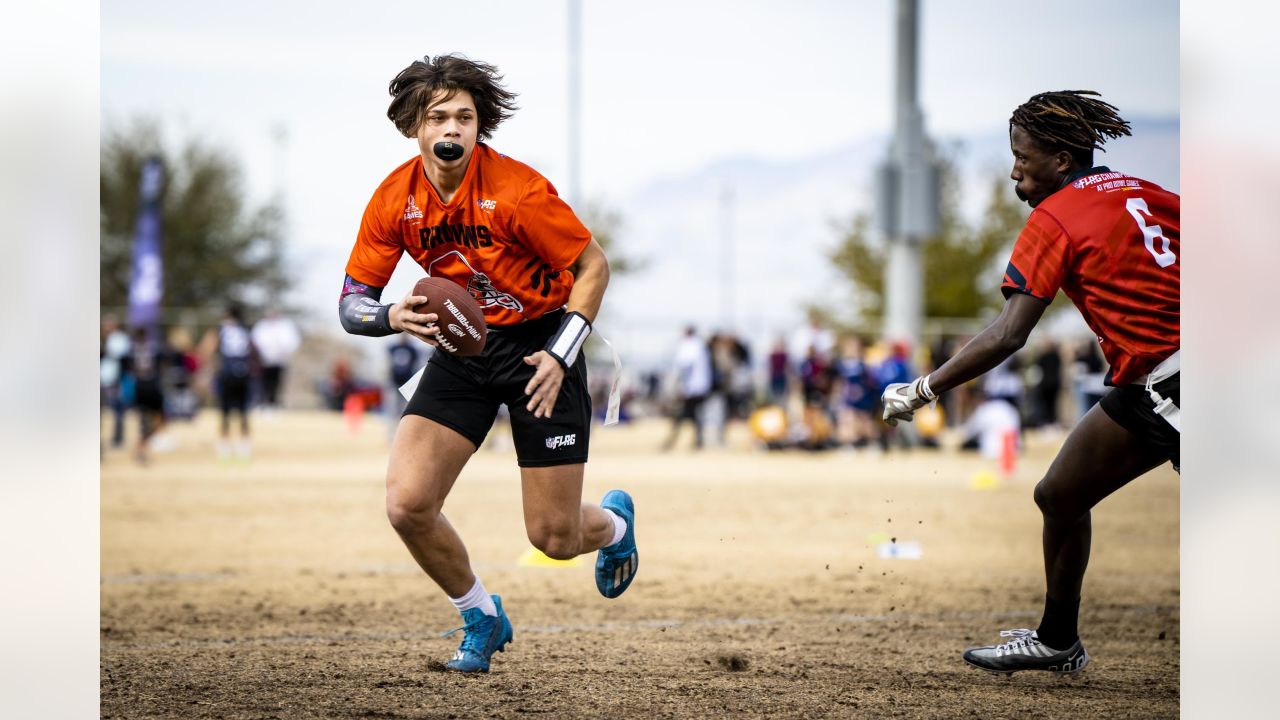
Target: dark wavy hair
(1071, 120)
(412, 90)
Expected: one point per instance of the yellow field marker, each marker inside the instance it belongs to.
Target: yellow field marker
(984, 480)
(533, 557)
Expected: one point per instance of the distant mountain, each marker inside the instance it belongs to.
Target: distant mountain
(782, 225)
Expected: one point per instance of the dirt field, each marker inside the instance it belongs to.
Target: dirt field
(277, 589)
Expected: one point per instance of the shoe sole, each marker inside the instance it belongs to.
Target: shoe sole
(1009, 673)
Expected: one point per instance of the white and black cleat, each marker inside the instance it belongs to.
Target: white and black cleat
(1025, 652)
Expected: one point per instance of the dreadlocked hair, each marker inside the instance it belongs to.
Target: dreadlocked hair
(1069, 119)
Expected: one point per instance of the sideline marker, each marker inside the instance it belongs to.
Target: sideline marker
(533, 557)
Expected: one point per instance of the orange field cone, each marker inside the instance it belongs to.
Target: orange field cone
(1009, 453)
(353, 411)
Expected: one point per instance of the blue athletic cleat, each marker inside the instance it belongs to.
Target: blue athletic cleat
(616, 564)
(484, 635)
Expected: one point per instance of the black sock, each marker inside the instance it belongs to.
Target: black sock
(1058, 626)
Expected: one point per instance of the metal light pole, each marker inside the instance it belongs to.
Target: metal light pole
(726, 258)
(908, 191)
(575, 104)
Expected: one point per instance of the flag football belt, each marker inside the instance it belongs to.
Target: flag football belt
(1165, 407)
(567, 343)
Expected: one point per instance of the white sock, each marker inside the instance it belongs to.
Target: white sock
(476, 597)
(619, 528)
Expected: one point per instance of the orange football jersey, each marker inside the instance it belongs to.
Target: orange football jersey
(505, 236)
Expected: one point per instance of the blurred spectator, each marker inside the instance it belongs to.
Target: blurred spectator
(1047, 385)
(814, 335)
(896, 368)
(237, 361)
(952, 403)
(731, 385)
(407, 356)
(111, 357)
(1090, 376)
(779, 372)
(857, 394)
(741, 384)
(276, 339)
(715, 413)
(144, 365)
(816, 377)
(693, 383)
(987, 428)
(343, 383)
(180, 398)
(1003, 382)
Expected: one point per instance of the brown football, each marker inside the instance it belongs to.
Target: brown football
(462, 327)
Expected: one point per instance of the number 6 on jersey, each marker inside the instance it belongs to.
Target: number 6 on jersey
(1137, 207)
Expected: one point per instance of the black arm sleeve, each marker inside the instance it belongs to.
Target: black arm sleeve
(360, 311)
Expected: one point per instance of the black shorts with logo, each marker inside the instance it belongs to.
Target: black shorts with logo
(1132, 408)
(463, 393)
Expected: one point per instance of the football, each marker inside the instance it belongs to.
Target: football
(462, 327)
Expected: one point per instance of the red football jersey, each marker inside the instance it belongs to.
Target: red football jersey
(506, 236)
(1110, 242)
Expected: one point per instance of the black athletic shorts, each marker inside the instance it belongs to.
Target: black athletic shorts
(233, 391)
(464, 393)
(1132, 408)
(147, 395)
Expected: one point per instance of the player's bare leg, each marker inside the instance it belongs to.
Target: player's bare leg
(557, 521)
(1098, 458)
(152, 422)
(426, 458)
(562, 526)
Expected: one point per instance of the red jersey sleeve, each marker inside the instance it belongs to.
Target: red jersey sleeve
(1041, 258)
(547, 226)
(377, 248)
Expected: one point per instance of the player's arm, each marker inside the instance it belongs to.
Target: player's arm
(1002, 338)
(374, 257)
(361, 313)
(590, 278)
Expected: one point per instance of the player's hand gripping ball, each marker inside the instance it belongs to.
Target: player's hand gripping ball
(461, 321)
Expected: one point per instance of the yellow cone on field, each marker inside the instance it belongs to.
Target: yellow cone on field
(533, 557)
(984, 480)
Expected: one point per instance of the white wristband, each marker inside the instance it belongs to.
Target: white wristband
(925, 391)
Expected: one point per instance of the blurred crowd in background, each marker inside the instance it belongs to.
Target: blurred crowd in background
(817, 388)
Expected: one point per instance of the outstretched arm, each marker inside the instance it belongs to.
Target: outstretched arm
(1002, 338)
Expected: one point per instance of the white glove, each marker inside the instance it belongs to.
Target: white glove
(901, 400)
